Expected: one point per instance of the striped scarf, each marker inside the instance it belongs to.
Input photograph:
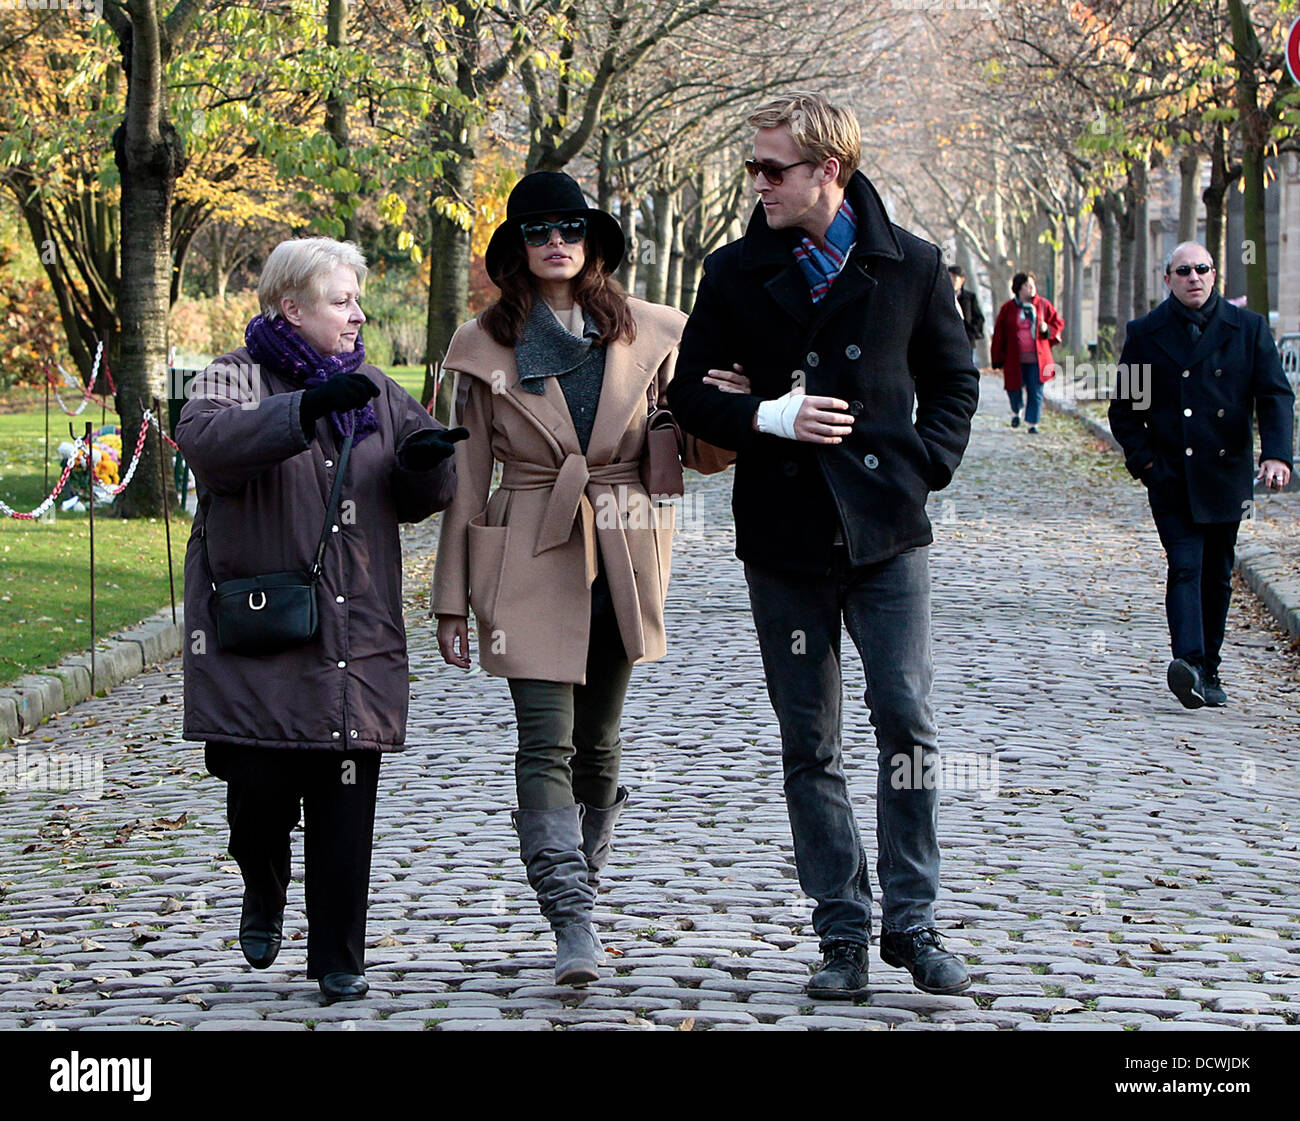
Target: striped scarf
(822, 266)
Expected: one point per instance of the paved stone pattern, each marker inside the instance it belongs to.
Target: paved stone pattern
(1134, 867)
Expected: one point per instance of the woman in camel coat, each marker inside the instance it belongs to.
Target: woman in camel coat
(566, 564)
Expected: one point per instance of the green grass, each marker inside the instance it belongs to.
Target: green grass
(410, 378)
(44, 567)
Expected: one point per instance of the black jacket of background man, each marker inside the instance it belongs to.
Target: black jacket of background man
(1197, 430)
(885, 337)
(971, 316)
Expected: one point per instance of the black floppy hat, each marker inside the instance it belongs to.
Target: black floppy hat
(552, 192)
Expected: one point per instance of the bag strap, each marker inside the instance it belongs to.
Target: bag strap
(331, 511)
(651, 397)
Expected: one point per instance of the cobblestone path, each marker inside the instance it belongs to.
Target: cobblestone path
(1127, 864)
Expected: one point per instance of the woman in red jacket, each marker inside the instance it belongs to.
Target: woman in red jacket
(1027, 328)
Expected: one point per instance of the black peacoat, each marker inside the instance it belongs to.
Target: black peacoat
(887, 338)
(1195, 427)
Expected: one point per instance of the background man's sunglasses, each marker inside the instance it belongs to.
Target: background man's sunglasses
(1201, 269)
(539, 233)
(774, 172)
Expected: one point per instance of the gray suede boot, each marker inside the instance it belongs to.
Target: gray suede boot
(597, 833)
(550, 845)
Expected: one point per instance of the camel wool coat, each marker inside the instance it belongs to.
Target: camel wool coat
(524, 558)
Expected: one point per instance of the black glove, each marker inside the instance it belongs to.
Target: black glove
(341, 394)
(429, 447)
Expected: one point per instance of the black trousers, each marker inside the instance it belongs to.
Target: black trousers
(266, 789)
(1198, 587)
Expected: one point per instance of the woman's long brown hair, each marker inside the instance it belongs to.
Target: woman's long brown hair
(599, 294)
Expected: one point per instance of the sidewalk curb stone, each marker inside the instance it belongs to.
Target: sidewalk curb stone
(33, 698)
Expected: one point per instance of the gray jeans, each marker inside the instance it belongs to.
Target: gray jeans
(886, 607)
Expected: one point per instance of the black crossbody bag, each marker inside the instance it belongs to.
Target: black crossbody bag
(267, 614)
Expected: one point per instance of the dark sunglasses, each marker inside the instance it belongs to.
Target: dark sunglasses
(539, 233)
(774, 172)
(1201, 269)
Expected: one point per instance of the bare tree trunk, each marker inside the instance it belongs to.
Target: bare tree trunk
(1254, 138)
(657, 271)
(673, 289)
(1189, 168)
(150, 158)
(627, 219)
(1216, 208)
(1107, 301)
(336, 116)
(1074, 290)
(450, 252)
(1127, 217)
(1141, 238)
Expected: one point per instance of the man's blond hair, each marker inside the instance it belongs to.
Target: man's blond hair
(819, 129)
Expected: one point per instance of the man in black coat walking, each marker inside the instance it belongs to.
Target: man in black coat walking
(842, 322)
(968, 306)
(1205, 367)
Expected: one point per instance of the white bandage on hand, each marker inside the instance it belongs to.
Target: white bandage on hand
(777, 417)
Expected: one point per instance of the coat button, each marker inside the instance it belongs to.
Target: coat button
(855, 407)
(338, 599)
(1187, 412)
(334, 529)
(1218, 373)
(1188, 373)
(334, 735)
(1220, 412)
(342, 665)
(353, 733)
(790, 469)
(871, 461)
(812, 358)
(1189, 451)
(329, 463)
(1223, 451)
(852, 351)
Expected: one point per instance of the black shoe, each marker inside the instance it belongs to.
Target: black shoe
(1215, 697)
(843, 975)
(921, 953)
(1185, 683)
(1033, 430)
(343, 986)
(1015, 421)
(260, 929)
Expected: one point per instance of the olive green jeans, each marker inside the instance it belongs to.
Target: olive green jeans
(569, 744)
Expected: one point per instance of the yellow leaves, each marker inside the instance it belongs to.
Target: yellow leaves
(454, 211)
(392, 210)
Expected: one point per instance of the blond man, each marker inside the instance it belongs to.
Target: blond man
(843, 323)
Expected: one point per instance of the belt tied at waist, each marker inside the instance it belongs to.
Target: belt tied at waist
(568, 485)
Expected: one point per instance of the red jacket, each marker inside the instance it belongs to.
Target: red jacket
(1004, 352)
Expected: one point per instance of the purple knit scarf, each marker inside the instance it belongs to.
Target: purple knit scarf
(275, 344)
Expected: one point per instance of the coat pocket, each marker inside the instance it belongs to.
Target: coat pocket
(487, 554)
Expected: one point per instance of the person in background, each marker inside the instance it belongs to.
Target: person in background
(969, 306)
(1026, 329)
(1212, 368)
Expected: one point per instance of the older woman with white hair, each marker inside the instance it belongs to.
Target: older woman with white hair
(296, 672)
